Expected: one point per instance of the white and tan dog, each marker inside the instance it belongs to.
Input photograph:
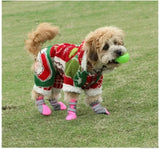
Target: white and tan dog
(73, 68)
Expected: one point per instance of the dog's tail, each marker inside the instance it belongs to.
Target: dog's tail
(44, 32)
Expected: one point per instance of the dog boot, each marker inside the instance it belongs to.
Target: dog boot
(72, 110)
(42, 107)
(57, 105)
(98, 108)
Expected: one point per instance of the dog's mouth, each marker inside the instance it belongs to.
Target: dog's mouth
(112, 62)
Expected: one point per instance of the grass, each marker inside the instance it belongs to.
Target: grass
(130, 92)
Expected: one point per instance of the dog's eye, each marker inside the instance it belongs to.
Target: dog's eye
(106, 47)
(115, 43)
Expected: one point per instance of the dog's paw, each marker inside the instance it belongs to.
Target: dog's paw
(107, 112)
(62, 106)
(44, 110)
(103, 111)
(99, 109)
(59, 106)
(71, 116)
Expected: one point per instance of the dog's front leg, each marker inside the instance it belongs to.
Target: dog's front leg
(56, 105)
(94, 102)
(72, 98)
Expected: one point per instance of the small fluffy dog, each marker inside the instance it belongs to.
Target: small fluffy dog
(72, 67)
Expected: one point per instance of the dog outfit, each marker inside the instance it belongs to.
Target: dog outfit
(65, 65)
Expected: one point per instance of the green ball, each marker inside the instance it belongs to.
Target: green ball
(123, 59)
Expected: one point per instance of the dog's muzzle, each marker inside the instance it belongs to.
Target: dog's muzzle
(117, 51)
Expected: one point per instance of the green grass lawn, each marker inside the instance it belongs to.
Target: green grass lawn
(130, 92)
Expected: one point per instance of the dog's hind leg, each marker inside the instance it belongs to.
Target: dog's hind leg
(94, 102)
(53, 101)
(39, 100)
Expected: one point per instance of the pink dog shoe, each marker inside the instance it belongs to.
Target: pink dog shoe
(62, 106)
(57, 105)
(46, 110)
(107, 112)
(42, 108)
(71, 115)
(72, 110)
(98, 108)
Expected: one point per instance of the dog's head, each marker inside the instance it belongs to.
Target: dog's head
(103, 46)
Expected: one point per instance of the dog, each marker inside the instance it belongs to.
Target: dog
(73, 68)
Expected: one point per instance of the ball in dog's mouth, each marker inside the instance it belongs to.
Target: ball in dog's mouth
(123, 58)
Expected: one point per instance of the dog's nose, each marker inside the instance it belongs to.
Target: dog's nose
(118, 52)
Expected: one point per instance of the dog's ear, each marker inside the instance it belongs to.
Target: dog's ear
(91, 49)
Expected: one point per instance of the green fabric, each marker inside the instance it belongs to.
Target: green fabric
(98, 77)
(74, 50)
(80, 78)
(71, 68)
(49, 82)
